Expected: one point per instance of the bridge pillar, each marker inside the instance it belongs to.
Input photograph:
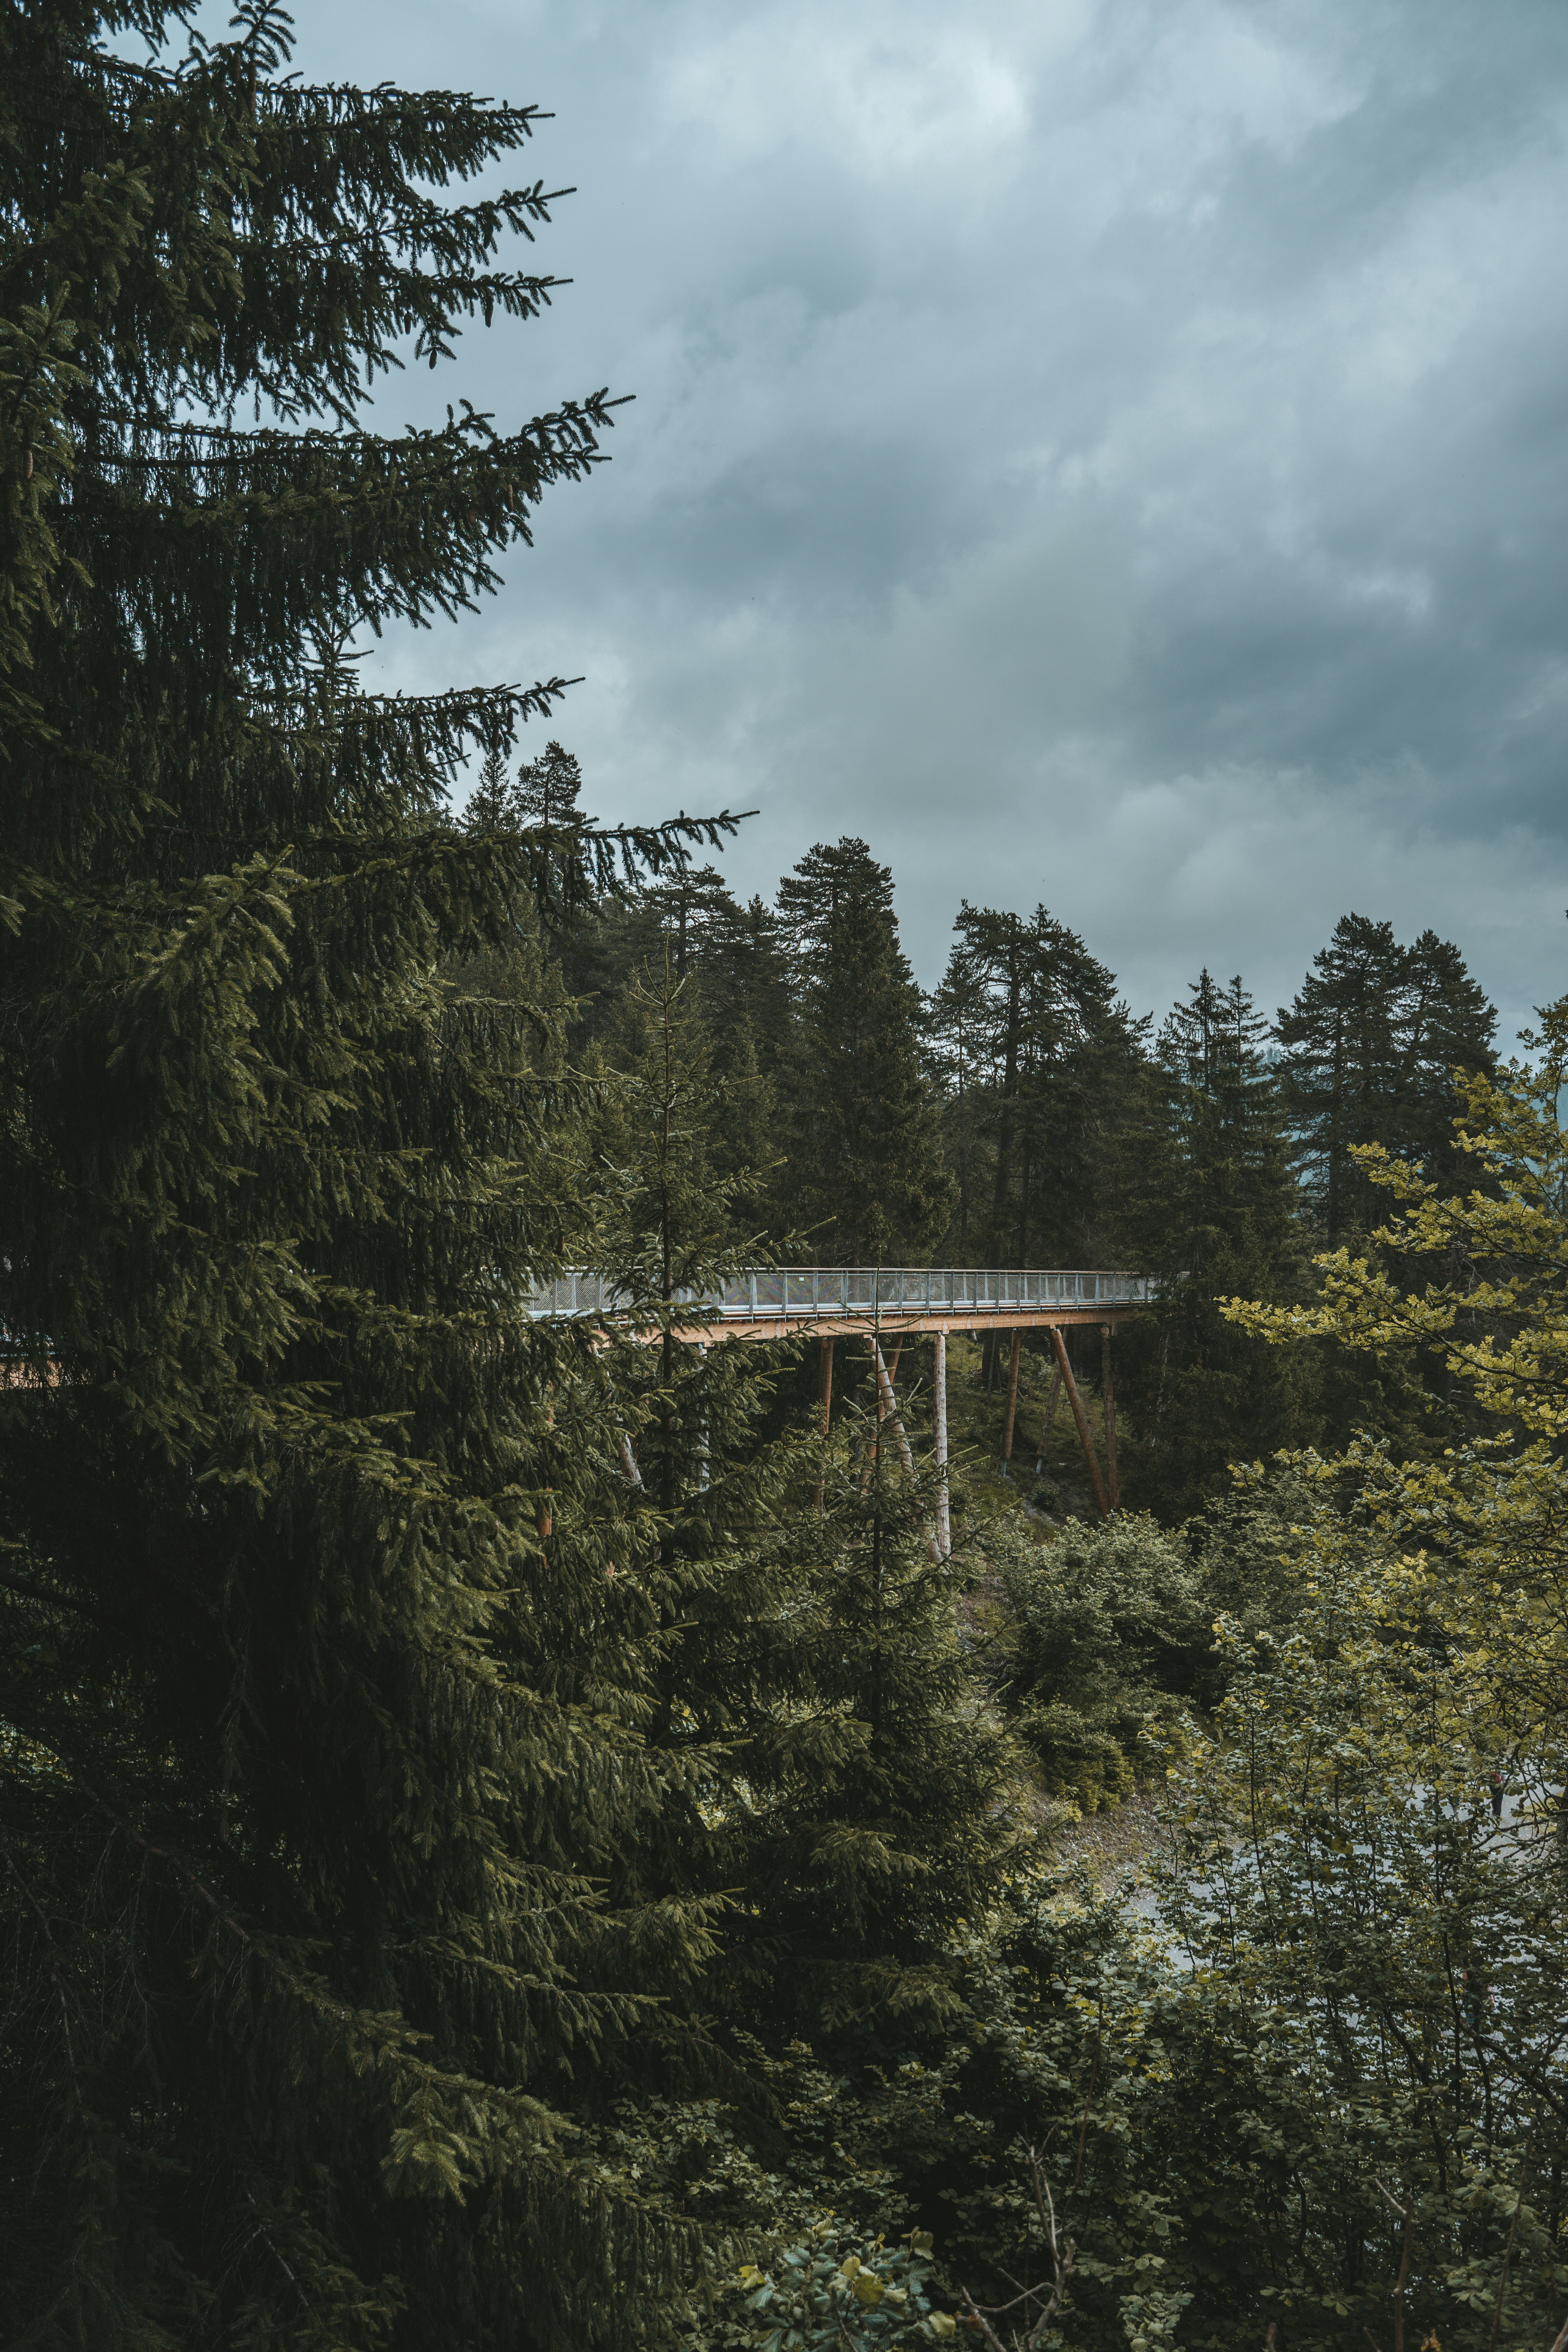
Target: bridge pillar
(939, 1428)
(824, 1390)
(1012, 1404)
(1111, 1479)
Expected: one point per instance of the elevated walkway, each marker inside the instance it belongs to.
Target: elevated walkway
(890, 1304)
(762, 1302)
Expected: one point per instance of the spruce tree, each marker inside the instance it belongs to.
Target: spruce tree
(323, 1745)
(1214, 1213)
(1037, 1055)
(907, 1819)
(728, 962)
(829, 1776)
(866, 1173)
(1368, 1051)
(741, 978)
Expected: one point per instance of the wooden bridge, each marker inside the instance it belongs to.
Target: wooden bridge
(893, 1305)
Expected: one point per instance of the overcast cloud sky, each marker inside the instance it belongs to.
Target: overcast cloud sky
(1100, 452)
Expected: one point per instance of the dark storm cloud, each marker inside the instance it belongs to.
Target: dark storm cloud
(1111, 453)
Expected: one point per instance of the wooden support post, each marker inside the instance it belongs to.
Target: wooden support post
(1079, 1415)
(1049, 1422)
(1109, 1417)
(630, 1462)
(824, 1390)
(1012, 1404)
(939, 1423)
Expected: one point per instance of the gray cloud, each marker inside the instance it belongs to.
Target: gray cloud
(1109, 452)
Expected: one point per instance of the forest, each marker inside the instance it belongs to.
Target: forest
(514, 1835)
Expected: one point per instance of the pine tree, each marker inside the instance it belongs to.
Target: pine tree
(741, 981)
(866, 1170)
(321, 1742)
(1214, 1214)
(1038, 1055)
(1368, 1052)
(905, 1819)
(728, 962)
(1446, 1023)
(829, 1773)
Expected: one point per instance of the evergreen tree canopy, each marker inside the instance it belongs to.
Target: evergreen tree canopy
(1214, 1211)
(320, 1742)
(1036, 1052)
(866, 1165)
(1368, 1052)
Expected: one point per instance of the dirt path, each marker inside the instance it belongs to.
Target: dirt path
(1114, 1843)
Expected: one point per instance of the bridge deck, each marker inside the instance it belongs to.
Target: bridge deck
(762, 1302)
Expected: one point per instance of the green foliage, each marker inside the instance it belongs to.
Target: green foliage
(1103, 1626)
(1369, 1051)
(815, 2298)
(1037, 1057)
(898, 1812)
(829, 1776)
(322, 1714)
(1211, 1209)
(445, 1761)
(1248, 1548)
(866, 1171)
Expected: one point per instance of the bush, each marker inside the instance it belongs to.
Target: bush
(1104, 1628)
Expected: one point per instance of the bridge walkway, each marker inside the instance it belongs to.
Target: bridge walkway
(761, 1302)
(895, 1304)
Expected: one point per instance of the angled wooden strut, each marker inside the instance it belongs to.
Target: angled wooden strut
(1079, 1415)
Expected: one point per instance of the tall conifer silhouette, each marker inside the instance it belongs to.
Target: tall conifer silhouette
(1368, 1050)
(321, 1742)
(866, 1163)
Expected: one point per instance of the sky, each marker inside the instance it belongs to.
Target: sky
(1100, 453)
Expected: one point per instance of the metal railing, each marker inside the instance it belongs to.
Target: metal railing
(800, 1294)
